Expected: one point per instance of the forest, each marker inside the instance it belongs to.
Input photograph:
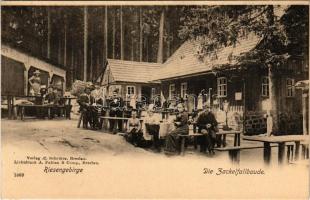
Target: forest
(80, 39)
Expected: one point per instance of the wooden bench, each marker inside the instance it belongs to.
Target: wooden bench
(234, 152)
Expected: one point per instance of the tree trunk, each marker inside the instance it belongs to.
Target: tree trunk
(65, 43)
(59, 48)
(161, 37)
(72, 66)
(113, 33)
(105, 33)
(168, 40)
(141, 35)
(132, 48)
(147, 47)
(273, 110)
(273, 98)
(122, 33)
(97, 68)
(85, 42)
(48, 33)
(91, 62)
(305, 110)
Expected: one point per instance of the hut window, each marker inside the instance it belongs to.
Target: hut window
(265, 86)
(130, 90)
(222, 87)
(171, 91)
(183, 89)
(290, 89)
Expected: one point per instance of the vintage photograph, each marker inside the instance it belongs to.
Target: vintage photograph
(153, 100)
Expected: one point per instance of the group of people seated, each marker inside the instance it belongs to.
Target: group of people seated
(205, 121)
(207, 126)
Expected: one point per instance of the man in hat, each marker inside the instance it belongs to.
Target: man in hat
(207, 125)
(85, 100)
(115, 111)
(96, 109)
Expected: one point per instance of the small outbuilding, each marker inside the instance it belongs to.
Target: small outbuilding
(131, 78)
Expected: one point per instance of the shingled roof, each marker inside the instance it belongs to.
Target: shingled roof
(131, 71)
(185, 61)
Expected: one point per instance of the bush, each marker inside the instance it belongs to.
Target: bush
(78, 87)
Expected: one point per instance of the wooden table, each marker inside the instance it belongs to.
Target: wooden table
(48, 107)
(280, 140)
(124, 120)
(231, 132)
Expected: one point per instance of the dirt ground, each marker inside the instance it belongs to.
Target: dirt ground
(125, 171)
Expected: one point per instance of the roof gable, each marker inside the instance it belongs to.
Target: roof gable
(132, 71)
(186, 62)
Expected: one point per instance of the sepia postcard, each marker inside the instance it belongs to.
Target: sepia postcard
(155, 99)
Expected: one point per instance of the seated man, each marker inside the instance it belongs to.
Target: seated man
(207, 125)
(134, 133)
(181, 123)
(152, 127)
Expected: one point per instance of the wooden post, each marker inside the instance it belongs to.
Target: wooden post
(297, 147)
(85, 42)
(22, 113)
(281, 150)
(14, 108)
(26, 81)
(267, 153)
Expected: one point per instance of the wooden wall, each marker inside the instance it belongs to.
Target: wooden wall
(12, 77)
